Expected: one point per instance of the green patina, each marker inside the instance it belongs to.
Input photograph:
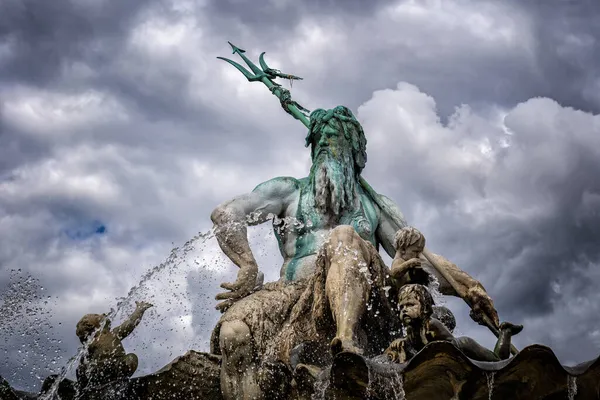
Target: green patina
(364, 221)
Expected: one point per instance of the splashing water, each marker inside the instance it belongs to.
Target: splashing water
(321, 387)
(175, 258)
(434, 288)
(490, 383)
(572, 387)
(398, 387)
(24, 311)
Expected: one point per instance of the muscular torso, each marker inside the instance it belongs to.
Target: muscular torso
(301, 231)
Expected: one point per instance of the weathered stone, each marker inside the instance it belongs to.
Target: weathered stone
(440, 372)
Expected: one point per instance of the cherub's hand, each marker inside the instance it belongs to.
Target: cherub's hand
(396, 351)
(142, 305)
(243, 286)
(400, 267)
(481, 304)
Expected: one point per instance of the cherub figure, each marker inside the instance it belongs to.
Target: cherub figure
(407, 266)
(105, 359)
(416, 308)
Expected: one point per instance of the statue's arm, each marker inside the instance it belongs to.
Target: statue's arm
(125, 329)
(231, 219)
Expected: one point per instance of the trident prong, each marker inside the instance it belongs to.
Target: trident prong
(249, 75)
(273, 73)
(256, 75)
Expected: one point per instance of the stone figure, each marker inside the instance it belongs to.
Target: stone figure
(407, 266)
(327, 226)
(416, 308)
(105, 359)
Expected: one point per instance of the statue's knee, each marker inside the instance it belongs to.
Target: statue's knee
(234, 335)
(131, 363)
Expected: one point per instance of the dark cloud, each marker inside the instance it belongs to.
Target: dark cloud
(568, 51)
(44, 36)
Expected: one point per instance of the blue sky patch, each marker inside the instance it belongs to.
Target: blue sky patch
(85, 231)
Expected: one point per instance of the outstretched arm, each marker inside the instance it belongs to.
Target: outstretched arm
(125, 329)
(467, 288)
(231, 220)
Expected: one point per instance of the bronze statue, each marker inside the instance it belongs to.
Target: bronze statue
(416, 308)
(105, 359)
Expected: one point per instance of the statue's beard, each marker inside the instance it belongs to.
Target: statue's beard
(334, 183)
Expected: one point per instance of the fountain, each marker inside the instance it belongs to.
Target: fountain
(339, 324)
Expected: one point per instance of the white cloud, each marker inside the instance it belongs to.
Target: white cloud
(47, 114)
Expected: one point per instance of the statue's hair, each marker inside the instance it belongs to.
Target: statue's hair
(422, 294)
(88, 324)
(353, 132)
(409, 236)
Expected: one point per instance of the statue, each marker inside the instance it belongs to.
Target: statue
(416, 308)
(329, 227)
(105, 359)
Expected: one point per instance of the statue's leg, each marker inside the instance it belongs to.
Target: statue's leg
(238, 365)
(507, 330)
(474, 350)
(347, 285)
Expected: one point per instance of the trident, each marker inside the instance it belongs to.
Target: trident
(266, 75)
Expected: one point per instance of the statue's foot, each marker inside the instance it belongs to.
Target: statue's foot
(274, 379)
(512, 329)
(339, 345)
(306, 376)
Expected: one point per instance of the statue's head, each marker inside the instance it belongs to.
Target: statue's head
(409, 242)
(338, 132)
(338, 152)
(415, 304)
(89, 324)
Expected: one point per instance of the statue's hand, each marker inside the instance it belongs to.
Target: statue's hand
(411, 271)
(396, 352)
(400, 268)
(482, 304)
(142, 305)
(243, 286)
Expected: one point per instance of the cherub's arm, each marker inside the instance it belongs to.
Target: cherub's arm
(437, 331)
(125, 329)
(231, 220)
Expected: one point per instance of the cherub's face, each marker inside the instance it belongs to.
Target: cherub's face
(410, 252)
(410, 308)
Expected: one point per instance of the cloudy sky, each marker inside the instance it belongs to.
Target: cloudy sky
(120, 131)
